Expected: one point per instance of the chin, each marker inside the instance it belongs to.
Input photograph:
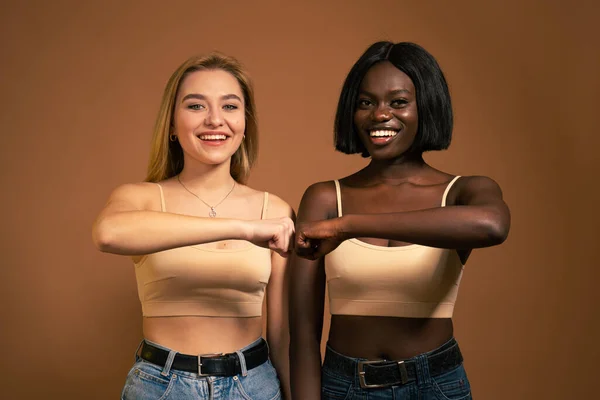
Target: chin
(215, 160)
(212, 159)
(389, 153)
(381, 155)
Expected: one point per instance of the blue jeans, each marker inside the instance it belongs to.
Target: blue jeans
(147, 381)
(449, 385)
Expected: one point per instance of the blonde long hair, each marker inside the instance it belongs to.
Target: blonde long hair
(166, 157)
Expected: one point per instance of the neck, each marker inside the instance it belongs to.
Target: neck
(396, 169)
(205, 177)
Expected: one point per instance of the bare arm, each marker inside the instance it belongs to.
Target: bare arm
(307, 296)
(128, 226)
(480, 218)
(277, 304)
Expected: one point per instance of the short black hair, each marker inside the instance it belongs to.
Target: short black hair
(434, 106)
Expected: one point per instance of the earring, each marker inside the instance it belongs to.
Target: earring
(172, 137)
(244, 137)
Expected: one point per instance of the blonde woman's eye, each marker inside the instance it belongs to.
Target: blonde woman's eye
(195, 106)
(230, 107)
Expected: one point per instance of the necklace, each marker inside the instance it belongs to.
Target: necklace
(212, 213)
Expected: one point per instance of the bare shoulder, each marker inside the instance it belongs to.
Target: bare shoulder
(321, 191)
(140, 195)
(275, 207)
(468, 188)
(278, 208)
(476, 182)
(319, 201)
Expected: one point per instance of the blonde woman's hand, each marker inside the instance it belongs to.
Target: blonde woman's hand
(276, 234)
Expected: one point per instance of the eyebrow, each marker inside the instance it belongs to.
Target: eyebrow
(198, 96)
(393, 92)
(399, 91)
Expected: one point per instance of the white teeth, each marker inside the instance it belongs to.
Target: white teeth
(383, 133)
(213, 137)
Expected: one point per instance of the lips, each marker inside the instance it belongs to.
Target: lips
(383, 133)
(213, 138)
(381, 136)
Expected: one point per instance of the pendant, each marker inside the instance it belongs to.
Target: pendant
(212, 213)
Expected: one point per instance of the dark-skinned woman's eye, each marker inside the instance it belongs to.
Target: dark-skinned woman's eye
(399, 103)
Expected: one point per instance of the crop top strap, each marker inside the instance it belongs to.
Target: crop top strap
(338, 193)
(448, 189)
(163, 208)
(265, 203)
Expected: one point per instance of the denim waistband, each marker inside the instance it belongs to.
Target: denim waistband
(421, 367)
(172, 353)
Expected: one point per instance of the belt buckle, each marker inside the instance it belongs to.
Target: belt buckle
(208, 355)
(365, 385)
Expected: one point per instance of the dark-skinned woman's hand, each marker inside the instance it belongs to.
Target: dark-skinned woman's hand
(316, 239)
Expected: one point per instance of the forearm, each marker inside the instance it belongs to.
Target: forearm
(452, 227)
(279, 353)
(306, 327)
(144, 232)
(305, 360)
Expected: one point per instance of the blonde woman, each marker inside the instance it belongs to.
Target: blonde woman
(205, 246)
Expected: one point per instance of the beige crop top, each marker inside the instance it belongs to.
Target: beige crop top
(407, 281)
(201, 281)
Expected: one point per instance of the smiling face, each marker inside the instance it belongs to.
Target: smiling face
(386, 117)
(209, 117)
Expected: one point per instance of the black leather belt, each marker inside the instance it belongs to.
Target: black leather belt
(208, 364)
(377, 374)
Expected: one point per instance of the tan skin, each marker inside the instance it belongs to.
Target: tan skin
(392, 202)
(132, 223)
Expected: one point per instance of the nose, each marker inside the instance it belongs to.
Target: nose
(214, 117)
(382, 113)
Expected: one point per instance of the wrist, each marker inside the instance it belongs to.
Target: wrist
(345, 228)
(243, 230)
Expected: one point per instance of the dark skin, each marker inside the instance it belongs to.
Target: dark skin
(392, 202)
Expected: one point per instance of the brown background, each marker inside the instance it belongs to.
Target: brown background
(80, 86)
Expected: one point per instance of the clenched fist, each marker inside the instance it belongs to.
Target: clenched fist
(276, 234)
(316, 239)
